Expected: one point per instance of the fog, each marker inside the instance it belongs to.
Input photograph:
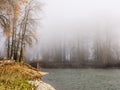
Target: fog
(69, 21)
(71, 18)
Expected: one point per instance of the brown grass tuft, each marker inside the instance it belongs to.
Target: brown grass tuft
(20, 70)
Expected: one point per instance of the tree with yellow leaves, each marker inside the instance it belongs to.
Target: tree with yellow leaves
(15, 20)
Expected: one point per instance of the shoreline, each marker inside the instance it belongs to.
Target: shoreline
(40, 85)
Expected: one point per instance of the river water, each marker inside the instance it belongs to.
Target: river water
(83, 79)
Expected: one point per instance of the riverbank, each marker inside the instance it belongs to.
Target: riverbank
(17, 76)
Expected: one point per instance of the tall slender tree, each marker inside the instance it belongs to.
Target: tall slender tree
(17, 22)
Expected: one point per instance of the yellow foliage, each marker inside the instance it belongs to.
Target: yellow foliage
(15, 5)
(24, 1)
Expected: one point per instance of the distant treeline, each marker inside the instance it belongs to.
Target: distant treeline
(74, 65)
(103, 50)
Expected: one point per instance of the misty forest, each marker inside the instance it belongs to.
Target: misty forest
(94, 45)
(75, 42)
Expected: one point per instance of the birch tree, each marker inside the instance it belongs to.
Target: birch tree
(18, 25)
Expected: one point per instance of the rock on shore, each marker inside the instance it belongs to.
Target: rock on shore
(40, 85)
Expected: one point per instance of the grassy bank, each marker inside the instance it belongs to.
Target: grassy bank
(15, 76)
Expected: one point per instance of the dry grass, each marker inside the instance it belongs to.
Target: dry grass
(15, 76)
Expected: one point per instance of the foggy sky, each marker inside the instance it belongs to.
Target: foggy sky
(67, 20)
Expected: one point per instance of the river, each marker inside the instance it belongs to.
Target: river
(83, 79)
